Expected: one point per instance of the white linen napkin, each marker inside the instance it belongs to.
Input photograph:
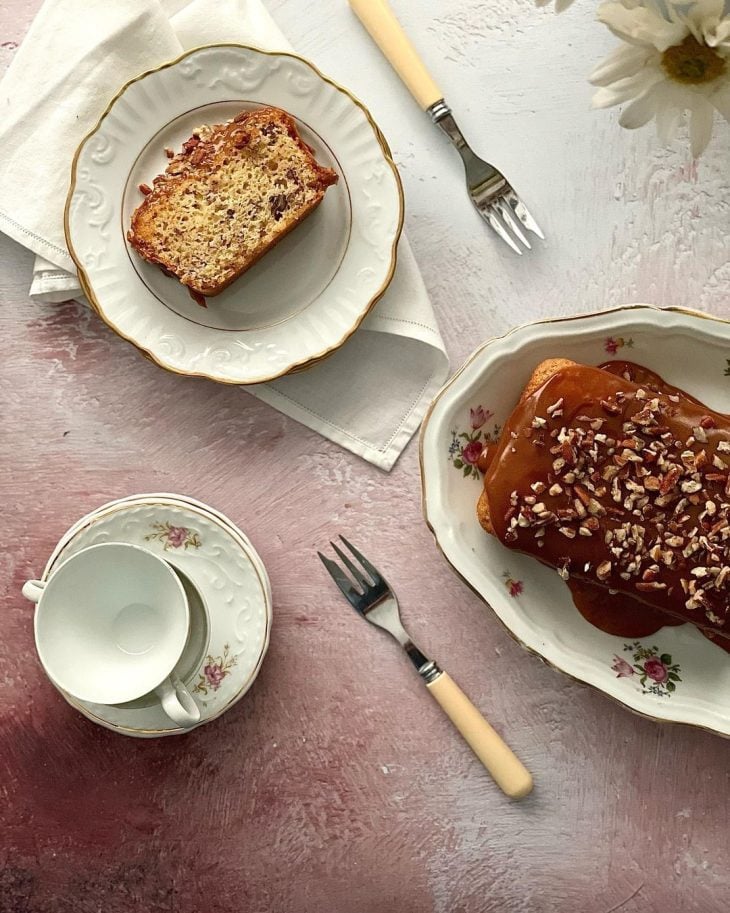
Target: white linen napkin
(371, 395)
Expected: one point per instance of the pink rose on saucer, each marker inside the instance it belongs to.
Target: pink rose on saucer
(470, 453)
(176, 536)
(514, 587)
(622, 668)
(656, 670)
(214, 675)
(479, 416)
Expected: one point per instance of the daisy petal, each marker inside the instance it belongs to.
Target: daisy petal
(709, 24)
(721, 101)
(704, 15)
(719, 36)
(706, 9)
(640, 111)
(626, 60)
(668, 116)
(641, 26)
(700, 126)
(628, 88)
(668, 121)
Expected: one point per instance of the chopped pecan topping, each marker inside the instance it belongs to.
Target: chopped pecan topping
(656, 507)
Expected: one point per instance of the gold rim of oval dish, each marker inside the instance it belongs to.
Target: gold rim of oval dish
(306, 363)
(454, 569)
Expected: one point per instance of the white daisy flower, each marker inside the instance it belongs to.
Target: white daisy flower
(560, 5)
(676, 59)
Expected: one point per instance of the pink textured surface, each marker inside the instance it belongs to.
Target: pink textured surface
(336, 785)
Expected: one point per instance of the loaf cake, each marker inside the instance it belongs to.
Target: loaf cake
(232, 193)
(621, 486)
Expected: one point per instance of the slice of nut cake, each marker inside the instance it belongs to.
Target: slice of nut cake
(227, 198)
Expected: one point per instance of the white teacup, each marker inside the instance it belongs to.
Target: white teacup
(111, 624)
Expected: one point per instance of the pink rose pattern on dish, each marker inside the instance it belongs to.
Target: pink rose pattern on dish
(514, 587)
(466, 446)
(613, 344)
(470, 453)
(622, 668)
(214, 675)
(174, 536)
(216, 668)
(656, 672)
(478, 417)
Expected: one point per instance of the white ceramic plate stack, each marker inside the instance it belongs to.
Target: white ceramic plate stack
(230, 600)
(304, 298)
(689, 677)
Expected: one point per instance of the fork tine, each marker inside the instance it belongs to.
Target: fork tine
(352, 568)
(375, 575)
(345, 585)
(506, 214)
(521, 211)
(490, 214)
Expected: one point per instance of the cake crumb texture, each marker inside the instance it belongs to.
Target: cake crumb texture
(232, 193)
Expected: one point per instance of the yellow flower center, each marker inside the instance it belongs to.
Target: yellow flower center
(692, 62)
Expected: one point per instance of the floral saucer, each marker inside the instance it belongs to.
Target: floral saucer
(229, 594)
(174, 499)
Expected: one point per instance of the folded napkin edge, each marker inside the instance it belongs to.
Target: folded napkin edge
(32, 241)
(382, 456)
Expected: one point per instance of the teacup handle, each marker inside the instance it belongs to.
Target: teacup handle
(33, 589)
(178, 703)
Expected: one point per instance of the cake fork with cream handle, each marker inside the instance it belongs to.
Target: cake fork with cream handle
(369, 594)
(490, 191)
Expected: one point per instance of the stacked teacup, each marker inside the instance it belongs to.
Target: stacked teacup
(153, 614)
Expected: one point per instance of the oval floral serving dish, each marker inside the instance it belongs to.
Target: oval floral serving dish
(674, 675)
(301, 301)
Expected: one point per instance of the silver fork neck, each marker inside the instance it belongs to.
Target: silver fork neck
(385, 614)
(440, 114)
(414, 654)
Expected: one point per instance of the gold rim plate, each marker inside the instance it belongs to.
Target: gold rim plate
(81, 255)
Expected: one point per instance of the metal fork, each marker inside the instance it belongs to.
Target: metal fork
(491, 193)
(368, 593)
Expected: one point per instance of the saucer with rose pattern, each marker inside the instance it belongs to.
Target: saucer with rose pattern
(163, 498)
(228, 589)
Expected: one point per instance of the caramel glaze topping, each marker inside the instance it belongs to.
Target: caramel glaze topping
(621, 486)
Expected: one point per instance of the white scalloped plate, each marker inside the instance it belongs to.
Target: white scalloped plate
(690, 350)
(304, 298)
(217, 558)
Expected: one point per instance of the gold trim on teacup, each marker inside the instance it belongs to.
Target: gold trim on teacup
(104, 511)
(306, 363)
(424, 501)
